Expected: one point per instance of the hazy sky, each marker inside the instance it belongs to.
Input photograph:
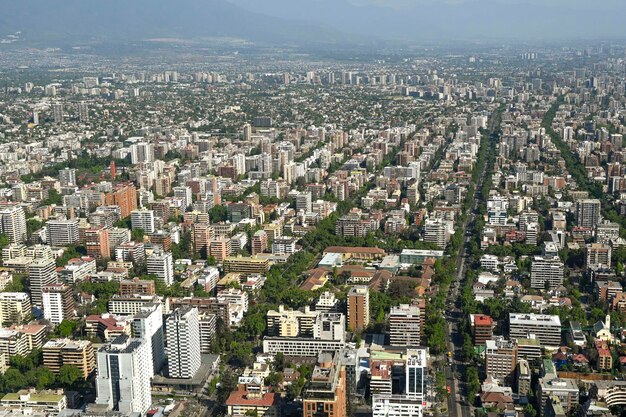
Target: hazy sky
(457, 19)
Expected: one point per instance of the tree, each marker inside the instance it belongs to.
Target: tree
(69, 375)
(4, 241)
(218, 213)
(137, 234)
(66, 328)
(14, 380)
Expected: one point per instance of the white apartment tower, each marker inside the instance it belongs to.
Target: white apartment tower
(161, 264)
(183, 343)
(143, 219)
(546, 269)
(41, 272)
(13, 223)
(148, 325)
(123, 381)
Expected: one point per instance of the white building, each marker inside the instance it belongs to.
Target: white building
(143, 219)
(123, 381)
(13, 223)
(404, 325)
(548, 269)
(41, 272)
(185, 194)
(62, 232)
(544, 327)
(183, 343)
(148, 325)
(161, 264)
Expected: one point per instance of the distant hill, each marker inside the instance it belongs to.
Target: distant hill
(76, 21)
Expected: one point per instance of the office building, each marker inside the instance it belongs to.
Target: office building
(15, 307)
(325, 394)
(546, 328)
(41, 272)
(183, 343)
(13, 223)
(58, 303)
(78, 353)
(358, 307)
(147, 324)
(143, 219)
(62, 232)
(588, 213)
(404, 325)
(546, 271)
(123, 381)
(501, 359)
(161, 264)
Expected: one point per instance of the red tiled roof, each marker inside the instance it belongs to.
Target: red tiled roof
(239, 398)
(482, 320)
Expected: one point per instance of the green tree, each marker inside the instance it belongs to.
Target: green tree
(137, 234)
(14, 380)
(66, 328)
(70, 375)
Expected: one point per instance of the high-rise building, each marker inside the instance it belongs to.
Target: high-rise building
(404, 325)
(15, 307)
(183, 343)
(97, 243)
(435, 231)
(358, 307)
(58, 303)
(57, 112)
(411, 402)
(125, 197)
(303, 202)
(481, 327)
(67, 177)
(501, 359)
(598, 255)
(546, 328)
(141, 152)
(62, 232)
(588, 212)
(123, 381)
(143, 219)
(185, 194)
(41, 272)
(546, 270)
(13, 223)
(325, 394)
(161, 264)
(83, 112)
(148, 325)
(220, 248)
(259, 242)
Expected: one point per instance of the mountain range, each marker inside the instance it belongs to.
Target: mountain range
(81, 21)
(311, 22)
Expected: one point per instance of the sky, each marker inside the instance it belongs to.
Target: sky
(542, 20)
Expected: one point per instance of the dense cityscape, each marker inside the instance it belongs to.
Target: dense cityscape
(275, 234)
